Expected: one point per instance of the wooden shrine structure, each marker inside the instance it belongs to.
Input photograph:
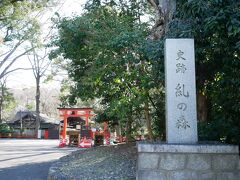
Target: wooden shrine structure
(74, 120)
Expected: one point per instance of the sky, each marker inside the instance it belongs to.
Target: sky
(24, 78)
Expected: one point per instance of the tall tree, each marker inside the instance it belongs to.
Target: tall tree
(105, 47)
(40, 63)
(18, 25)
(164, 10)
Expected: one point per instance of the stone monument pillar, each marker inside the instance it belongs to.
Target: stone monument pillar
(181, 117)
(182, 157)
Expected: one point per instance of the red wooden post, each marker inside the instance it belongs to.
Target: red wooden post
(73, 112)
(63, 140)
(65, 125)
(87, 113)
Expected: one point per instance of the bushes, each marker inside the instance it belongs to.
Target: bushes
(214, 25)
(5, 129)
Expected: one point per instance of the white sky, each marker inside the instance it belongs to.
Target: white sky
(22, 79)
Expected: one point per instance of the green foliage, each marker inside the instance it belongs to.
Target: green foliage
(159, 122)
(220, 130)
(4, 129)
(215, 26)
(110, 59)
(17, 18)
(7, 103)
(31, 106)
(104, 117)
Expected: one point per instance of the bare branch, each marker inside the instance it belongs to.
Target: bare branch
(4, 53)
(10, 53)
(45, 68)
(43, 59)
(13, 70)
(35, 75)
(9, 65)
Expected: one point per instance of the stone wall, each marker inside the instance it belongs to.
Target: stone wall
(188, 162)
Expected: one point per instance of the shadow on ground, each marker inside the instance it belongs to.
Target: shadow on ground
(34, 171)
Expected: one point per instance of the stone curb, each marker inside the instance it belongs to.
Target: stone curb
(188, 148)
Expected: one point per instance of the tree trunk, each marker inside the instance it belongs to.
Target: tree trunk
(37, 105)
(117, 128)
(148, 121)
(21, 124)
(1, 102)
(129, 129)
(202, 107)
(164, 10)
(163, 14)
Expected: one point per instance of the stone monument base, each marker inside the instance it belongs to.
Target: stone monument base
(160, 161)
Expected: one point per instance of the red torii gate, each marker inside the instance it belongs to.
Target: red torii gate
(73, 112)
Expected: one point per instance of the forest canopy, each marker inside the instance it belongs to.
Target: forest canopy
(117, 57)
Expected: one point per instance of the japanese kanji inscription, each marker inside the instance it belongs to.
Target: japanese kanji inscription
(181, 115)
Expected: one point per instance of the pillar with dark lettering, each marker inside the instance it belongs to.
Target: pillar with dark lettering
(181, 118)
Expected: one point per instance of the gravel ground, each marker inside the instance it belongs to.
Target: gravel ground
(109, 162)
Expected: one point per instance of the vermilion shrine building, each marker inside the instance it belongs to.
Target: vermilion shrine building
(75, 126)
